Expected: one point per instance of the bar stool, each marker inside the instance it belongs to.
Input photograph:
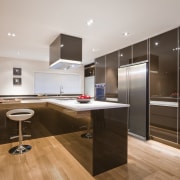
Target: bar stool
(20, 115)
(88, 134)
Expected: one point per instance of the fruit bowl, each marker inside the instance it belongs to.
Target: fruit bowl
(84, 99)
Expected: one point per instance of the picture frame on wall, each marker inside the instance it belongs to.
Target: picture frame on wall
(16, 81)
(17, 71)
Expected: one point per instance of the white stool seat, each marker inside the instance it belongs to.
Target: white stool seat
(20, 115)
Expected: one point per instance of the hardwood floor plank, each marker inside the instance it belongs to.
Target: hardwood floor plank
(49, 160)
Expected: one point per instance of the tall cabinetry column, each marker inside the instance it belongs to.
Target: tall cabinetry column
(164, 86)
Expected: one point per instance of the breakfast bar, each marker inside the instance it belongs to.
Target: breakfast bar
(106, 149)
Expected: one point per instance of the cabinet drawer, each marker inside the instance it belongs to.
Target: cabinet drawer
(163, 117)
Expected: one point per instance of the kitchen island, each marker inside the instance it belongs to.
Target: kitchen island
(107, 148)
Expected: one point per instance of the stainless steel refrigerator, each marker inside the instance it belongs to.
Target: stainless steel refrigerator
(133, 90)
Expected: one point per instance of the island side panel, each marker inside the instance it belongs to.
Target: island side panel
(109, 138)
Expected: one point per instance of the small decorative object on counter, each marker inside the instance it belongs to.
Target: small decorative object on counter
(84, 98)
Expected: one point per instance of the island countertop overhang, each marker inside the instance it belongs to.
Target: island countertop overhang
(69, 104)
(92, 105)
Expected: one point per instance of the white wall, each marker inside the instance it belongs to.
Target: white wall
(27, 76)
(89, 85)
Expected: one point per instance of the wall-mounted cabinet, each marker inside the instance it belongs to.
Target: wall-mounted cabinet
(163, 81)
(106, 71)
(100, 64)
(140, 51)
(112, 74)
(125, 55)
(89, 70)
(135, 53)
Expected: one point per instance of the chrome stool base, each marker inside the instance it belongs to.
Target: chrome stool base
(20, 149)
(87, 135)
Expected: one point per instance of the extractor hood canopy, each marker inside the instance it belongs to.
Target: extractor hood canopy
(65, 52)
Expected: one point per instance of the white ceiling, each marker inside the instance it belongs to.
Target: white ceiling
(37, 23)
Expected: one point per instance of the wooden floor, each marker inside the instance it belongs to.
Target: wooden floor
(49, 160)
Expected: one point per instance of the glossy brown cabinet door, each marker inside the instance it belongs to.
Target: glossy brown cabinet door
(89, 70)
(164, 122)
(112, 74)
(125, 55)
(163, 53)
(100, 70)
(140, 51)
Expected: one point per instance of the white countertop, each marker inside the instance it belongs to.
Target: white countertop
(92, 105)
(164, 103)
(73, 104)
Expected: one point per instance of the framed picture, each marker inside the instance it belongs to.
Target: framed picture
(16, 81)
(17, 71)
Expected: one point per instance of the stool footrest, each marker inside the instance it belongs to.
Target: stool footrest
(14, 137)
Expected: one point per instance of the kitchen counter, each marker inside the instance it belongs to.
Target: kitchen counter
(92, 105)
(71, 104)
(107, 120)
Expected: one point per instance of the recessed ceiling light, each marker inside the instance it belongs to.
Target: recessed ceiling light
(125, 34)
(90, 22)
(11, 34)
(156, 43)
(95, 50)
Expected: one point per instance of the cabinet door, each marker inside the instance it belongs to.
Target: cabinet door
(100, 70)
(89, 70)
(163, 78)
(112, 74)
(163, 122)
(140, 51)
(126, 55)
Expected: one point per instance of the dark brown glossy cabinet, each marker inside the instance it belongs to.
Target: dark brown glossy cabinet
(164, 122)
(89, 70)
(100, 70)
(112, 74)
(125, 55)
(140, 51)
(163, 80)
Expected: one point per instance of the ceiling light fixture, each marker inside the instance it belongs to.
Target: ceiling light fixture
(125, 34)
(95, 50)
(156, 43)
(11, 34)
(90, 22)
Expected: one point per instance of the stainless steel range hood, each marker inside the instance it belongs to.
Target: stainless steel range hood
(65, 52)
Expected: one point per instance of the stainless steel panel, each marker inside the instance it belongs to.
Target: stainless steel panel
(123, 85)
(137, 99)
(132, 89)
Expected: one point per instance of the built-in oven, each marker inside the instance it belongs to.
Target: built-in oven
(100, 91)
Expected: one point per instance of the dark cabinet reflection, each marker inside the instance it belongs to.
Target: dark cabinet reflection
(163, 66)
(100, 70)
